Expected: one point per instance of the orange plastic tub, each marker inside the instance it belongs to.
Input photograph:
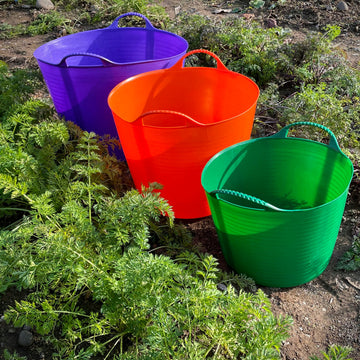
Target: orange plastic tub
(172, 121)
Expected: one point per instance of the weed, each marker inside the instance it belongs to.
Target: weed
(9, 31)
(95, 11)
(243, 47)
(14, 356)
(44, 23)
(257, 4)
(322, 105)
(350, 260)
(90, 12)
(48, 22)
(16, 86)
(335, 352)
(83, 251)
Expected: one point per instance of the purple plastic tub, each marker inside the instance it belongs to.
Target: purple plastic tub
(81, 69)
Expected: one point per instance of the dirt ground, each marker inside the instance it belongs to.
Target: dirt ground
(326, 310)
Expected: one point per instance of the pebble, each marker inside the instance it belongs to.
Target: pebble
(221, 287)
(343, 6)
(44, 4)
(62, 32)
(94, 8)
(270, 23)
(248, 16)
(25, 338)
(11, 330)
(222, 11)
(177, 10)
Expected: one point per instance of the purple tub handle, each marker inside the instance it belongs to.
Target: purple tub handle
(115, 23)
(104, 60)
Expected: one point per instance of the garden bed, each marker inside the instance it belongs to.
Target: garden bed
(325, 311)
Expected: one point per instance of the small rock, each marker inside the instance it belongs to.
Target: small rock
(94, 8)
(248, 16)
(221, 287)
(343, 6)
(222, 11)
(62, 32)
(177, 10)
(44, 4)
(11, 330)
(2, 318)
(270, 23)
(25, 338)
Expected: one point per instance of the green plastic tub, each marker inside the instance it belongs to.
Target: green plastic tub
(277, 204)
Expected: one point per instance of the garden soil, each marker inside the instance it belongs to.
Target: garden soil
(326, 310)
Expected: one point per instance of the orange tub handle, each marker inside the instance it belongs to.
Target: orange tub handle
(179, 64)
(187, 120)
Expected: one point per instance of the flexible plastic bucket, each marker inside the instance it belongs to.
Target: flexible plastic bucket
(81, 69)
(277, 204)
(170, 122)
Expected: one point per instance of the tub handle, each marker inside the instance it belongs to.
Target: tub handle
(115, 24)
(180, 63)
(246, 197)
(188, 121)
(332, 142)
(104, 60)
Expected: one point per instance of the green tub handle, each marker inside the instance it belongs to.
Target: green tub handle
(332, 143)
(246, 197)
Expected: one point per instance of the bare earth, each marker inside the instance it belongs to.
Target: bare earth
(325, 311)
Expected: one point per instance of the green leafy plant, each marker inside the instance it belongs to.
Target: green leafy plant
(257, 4)
(15, 87)
(138, 303)
(95, 11)
(44, 23)
(96, 286)
(350, 260)
(47, 22)
(335, 352)
(14, 356)
(242, 46)
(322, 105)
(89, 12)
